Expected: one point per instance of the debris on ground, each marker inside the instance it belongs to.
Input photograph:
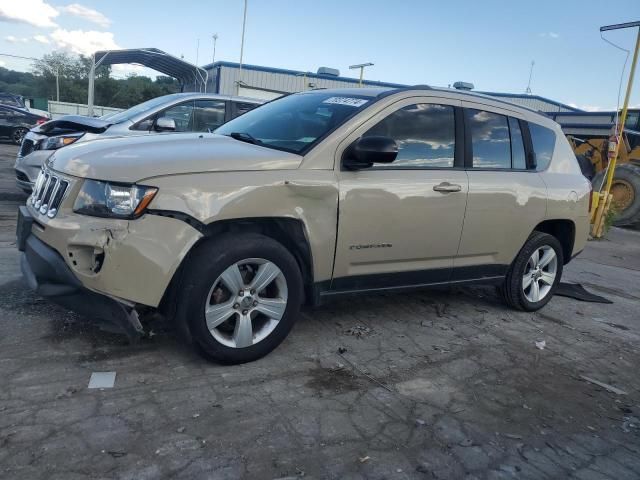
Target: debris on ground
(117, 453)
(420, 422)
(629, 423)
(359, 331)
(195, 415)
(365, 459)
(541, 344)
(181, 429)
(339, 366)
(342, 350)
(441, 309)
(606, 386)
(102, 380)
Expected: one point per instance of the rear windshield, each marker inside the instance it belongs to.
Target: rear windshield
(297, 122)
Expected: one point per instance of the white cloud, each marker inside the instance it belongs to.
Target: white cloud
(590, 108)
(84, 42)
(549, 35)
(2, 64)
(33, 12)
(88, 14)
(12, 39)
(41, 39)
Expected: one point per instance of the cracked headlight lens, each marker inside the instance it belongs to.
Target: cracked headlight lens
(116, 200)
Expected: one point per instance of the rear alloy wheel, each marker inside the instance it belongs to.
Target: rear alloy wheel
(18, 134)
(534, 274)
(241, 297)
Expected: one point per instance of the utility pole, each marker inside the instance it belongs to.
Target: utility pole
(215, 40)
(244, 23)
(361, 66)
(528, 90)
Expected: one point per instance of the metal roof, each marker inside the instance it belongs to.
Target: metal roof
(185, 72)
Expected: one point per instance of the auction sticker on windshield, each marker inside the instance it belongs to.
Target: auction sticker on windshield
(351, 102)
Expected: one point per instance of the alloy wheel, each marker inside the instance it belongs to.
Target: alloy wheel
(540, 274)
(246, 302)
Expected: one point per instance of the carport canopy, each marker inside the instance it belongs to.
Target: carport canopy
(185, 72)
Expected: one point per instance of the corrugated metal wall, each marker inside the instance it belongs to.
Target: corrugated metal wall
(278, 82)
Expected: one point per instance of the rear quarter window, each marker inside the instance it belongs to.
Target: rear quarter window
(544, 141)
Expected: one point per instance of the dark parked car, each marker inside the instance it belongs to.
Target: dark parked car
(15, 122)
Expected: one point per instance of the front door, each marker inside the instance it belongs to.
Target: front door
(400, 223)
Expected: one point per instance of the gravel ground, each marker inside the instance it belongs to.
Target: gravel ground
(434, 384)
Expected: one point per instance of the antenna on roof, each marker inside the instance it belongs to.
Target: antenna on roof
(528, 90)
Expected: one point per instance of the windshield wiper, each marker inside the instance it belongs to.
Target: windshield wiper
(245, 137)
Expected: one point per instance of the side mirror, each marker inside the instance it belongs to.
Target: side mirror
(165, 124)
(366, 151)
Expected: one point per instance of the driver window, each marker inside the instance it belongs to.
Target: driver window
(425, 134)
(182, 114)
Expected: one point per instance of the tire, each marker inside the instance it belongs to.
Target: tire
(18, 134)
(217, 265)
(514, 290)
(628, 173)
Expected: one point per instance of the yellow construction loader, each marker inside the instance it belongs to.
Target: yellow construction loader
(591, 136)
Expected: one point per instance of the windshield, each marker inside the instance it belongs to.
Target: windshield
(294, 123)
(140, 108)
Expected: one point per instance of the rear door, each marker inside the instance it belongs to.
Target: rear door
(400, 223)
(506, 198)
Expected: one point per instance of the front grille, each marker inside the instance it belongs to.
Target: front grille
(48, 193)
(26, 148)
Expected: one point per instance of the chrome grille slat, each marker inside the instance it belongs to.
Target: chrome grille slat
(48, 193)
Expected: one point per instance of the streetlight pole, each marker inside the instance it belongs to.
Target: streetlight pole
(361, 66)
(215, 40)
(244, 23)
(58, 83)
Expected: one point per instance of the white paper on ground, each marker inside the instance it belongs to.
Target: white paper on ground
(102, 380)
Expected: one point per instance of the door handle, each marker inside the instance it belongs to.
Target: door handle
(446, 187)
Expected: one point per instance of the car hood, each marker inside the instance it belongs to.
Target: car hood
(72, 123)
(134, 158)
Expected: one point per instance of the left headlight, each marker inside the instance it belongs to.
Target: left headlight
(54, 143)
(115, 200)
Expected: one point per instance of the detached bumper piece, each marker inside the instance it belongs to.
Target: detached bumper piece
(48, 275)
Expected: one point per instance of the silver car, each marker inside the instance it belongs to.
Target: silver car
(178, 112)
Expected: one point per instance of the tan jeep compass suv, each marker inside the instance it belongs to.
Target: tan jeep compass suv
(313, 195)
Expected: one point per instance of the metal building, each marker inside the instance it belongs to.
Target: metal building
(268, 83)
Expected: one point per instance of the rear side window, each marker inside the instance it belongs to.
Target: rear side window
(489, 139)
(425, 134)
(518, 158)
(544, 141)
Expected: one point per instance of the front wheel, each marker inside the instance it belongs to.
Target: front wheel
(535, 273)
(242, 295)
(18, 134)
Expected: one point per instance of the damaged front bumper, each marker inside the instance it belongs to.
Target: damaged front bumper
(102, 268)
(48, 275)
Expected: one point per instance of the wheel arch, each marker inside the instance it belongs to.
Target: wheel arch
(564, 230)
(290, 232)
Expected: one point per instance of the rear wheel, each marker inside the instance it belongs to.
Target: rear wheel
(625, 189)
(242, 295)
(18, 134)
(535, 273)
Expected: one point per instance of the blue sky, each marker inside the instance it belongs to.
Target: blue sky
(489, 43)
